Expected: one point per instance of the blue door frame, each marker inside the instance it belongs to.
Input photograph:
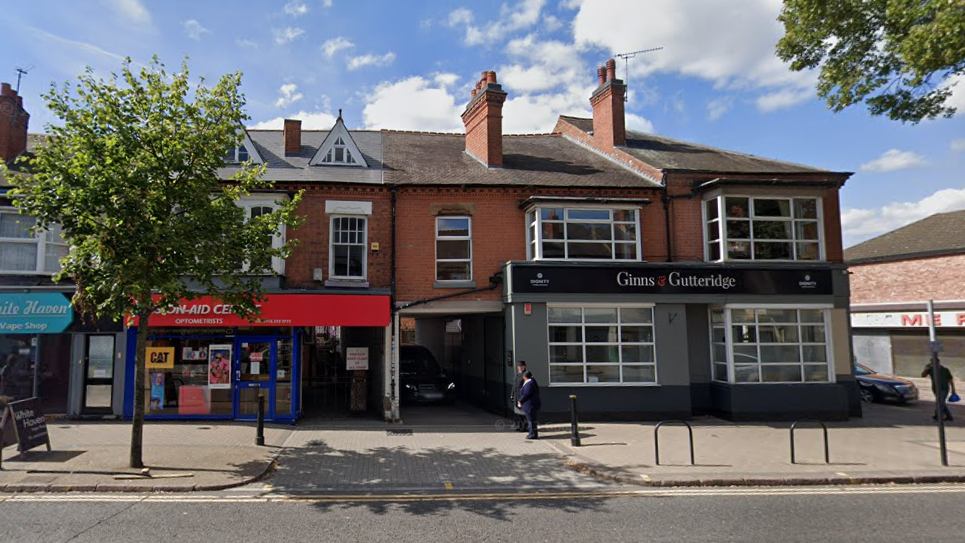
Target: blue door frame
(267, 387)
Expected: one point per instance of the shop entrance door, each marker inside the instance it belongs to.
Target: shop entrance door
(254, 375)
(99, 374)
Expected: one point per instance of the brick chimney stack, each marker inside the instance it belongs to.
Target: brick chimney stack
(484, 121)
(293, 136)
(609, 124)
(13, 124)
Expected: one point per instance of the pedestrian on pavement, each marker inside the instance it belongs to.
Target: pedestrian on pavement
(519, 418)
(946, 384)
(530, 404)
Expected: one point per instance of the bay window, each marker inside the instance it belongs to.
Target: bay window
(763, 228)
(584, 233)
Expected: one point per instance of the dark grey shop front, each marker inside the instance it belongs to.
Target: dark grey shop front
(658, 341)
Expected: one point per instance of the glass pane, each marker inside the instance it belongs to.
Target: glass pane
(452, 250)
(772, 251)
(747, 374)
(582, 231)
(283, 399)
(710, 207)
(781, 374)
(720, 372)
(340, 260)
(806, 230)
(566, 353)
(737, 207)
(764, 207)
(555, 230)
(15, 225)
(566, 374)
(551, 213)
(18, 256)
(602, 353)
(812, 315)
(745, 354)
(639, 374)
(718, 335)
(100, 357)
(355, 261)
(339, 154)
(624, 215)
(813, 334)
(599, 314)
(713, 231)
(453, 271)
(780, 353)
(98, 396)
(805, 208)
(601, 334)
(778, 334)
(283, 377)
(815, 353)
(816, 373)
(772, 229)
(625, 251)
(603, 374)
(565, 314)
(777, 315)
(554, 250)
(636, 334)
(452, 227)
(636, 315)
(566, 334)
(744, 334)
(625, 231)
(739, 250)
(637, 353)
(714, 252)
(742, 315)
(719, 352)
(808, 251)
(255, 361)
(717, 315)
(738, 229)
(588, 214)
(590, 250)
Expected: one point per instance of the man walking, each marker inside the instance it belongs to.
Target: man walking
(519, 418)
(530, 404)
(945, 382)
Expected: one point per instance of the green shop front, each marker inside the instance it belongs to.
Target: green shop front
(204, 362)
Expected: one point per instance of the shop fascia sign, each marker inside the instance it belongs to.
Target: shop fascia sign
(667, 280)
(913, 319)
(39, 313)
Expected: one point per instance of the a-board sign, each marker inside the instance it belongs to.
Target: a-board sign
(28, 424)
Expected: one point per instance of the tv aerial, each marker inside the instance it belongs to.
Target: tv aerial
(22, 72)
(626, 67)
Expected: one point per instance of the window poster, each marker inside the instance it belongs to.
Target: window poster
(219, 366)
(157, 391)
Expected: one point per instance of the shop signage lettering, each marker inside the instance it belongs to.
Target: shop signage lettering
(29, 425)
(666, 279)
(159, 357)
(41, 313)
(943, 319)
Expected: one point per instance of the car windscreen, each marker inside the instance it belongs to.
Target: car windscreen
(418, 362)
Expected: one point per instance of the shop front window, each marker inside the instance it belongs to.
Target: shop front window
(198, 381)
(601, 345)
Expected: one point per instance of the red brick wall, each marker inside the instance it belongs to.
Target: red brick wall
(939, 278)
(484, 128)
(13, 124)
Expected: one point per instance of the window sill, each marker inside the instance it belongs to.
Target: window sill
(453, 284)
(347, 283)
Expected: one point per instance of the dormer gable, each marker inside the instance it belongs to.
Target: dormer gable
(338, 149)
(245, 151)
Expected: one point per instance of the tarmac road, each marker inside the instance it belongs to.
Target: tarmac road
(850, 514)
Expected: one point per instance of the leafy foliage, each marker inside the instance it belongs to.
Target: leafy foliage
(897, 56)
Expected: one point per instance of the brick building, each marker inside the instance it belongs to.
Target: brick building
(892, 278)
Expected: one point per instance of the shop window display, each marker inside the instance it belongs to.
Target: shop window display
(198, 383)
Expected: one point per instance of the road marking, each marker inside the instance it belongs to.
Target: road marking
(504, 496)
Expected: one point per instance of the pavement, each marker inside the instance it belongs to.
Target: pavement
(463, 450)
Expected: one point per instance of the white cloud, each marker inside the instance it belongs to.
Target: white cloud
(288, 95)
(245, 42)
(957, 99)
(524, 14)
(957, 145)
(735, 49)
(194, 29)
(286, 35)
(295, 9)
(316, 120)
(133, 10)
(638, 123)
(541, 65)
(861, 224)
(783, 99)
(445, 79)
(355, 63)
(538, 113)
(894, 160)
(412, 104)
(327, 3)
(718, 107)
(334, 45)
(551, 23)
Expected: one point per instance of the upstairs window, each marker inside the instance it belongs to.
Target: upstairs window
(453, 249)
(237, 155)
(579, 233)
(755, 228)
(348, 248)
(254, 208)
(339, 153)
(26, 251)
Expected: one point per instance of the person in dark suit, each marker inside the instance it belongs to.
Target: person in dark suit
(530, 404)
(519, 422)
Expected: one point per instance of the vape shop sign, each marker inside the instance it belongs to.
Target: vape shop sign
(24, 424)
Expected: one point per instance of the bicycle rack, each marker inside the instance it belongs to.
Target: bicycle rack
(827, 456)
(656, 440)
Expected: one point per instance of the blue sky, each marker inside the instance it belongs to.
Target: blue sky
(411, 64)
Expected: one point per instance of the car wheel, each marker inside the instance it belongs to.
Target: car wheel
(867, 395)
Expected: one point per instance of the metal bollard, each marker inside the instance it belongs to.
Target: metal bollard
(260, 436)
(575, 439)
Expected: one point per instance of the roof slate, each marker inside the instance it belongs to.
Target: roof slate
(942, 233)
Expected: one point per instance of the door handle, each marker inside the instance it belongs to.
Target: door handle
(237, 375)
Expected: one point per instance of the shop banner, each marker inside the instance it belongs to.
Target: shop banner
(666, 279)
(39, 313)
(908, 319)
(281, 310)
(29, 425)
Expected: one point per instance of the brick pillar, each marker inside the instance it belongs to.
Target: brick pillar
(293, 136)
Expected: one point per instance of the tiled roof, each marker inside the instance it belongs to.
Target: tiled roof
(670, 154)
(943, 233)
(414, 158)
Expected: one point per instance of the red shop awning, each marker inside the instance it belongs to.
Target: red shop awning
(282, 310)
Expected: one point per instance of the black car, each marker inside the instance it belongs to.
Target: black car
(878, 387)
(421, 378)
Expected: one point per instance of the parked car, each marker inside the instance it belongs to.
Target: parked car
(421, 378)
(878, 387)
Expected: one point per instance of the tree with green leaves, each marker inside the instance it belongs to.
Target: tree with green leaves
(131, 177)
(898, 56)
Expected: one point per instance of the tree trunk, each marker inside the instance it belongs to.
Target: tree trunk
(137, 422)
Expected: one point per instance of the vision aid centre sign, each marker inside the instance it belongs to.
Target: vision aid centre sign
(38, 313)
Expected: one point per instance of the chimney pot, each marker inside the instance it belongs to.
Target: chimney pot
(611, 69)
(601, 75)
(292, 135)
(491, 77)
(5, 90)
(13, 124)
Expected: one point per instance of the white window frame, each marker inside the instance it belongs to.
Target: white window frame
(729, 343)
(235, 155)
(363, 244)
(534, 232)
(467, 238)
(38, 239)
(721, 227)
(249, 203)
(618, 343)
